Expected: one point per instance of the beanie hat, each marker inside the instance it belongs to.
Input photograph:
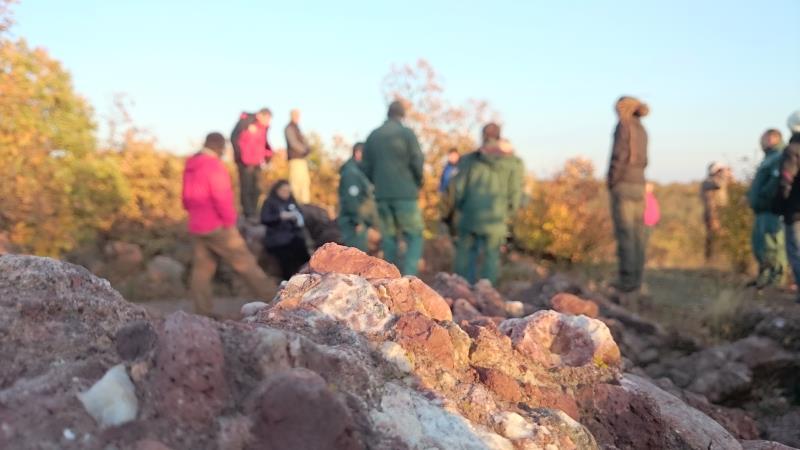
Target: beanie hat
(215, 141)
(794, 122)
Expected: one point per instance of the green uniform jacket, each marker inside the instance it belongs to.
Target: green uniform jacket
(486, 191)
(766, 182)
(393, 162)
(356, 205)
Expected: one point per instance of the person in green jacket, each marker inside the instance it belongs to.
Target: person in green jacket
(767, 236)
(484, 195)
(356, 203)
(393, 162)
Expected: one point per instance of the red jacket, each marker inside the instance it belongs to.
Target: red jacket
(207, 193)
(253, 145)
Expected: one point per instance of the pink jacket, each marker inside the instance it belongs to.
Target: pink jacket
(254, 148)
(207, 193)
(652, 212)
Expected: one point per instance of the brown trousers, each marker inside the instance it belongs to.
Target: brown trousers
(225, 244)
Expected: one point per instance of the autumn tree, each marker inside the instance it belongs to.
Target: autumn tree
(566, 217)
(55, 189)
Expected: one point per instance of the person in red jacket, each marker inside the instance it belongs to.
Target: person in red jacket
(208, 198)
(251, 150)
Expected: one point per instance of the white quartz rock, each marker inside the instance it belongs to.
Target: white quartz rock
(111, 400)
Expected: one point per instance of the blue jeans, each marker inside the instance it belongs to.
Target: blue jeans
(793, 248)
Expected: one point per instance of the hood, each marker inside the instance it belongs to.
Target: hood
(497, 147)
(496, 151)
(629, 107)
(201, 160)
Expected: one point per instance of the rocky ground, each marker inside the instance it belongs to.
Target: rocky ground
(351, 355)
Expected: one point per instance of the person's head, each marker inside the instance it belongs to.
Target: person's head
(264, 116)
(358, 151)
(627, 107)
(490, 132)
(771, 139)
(215, 142)
(649, 187)
(794, 122)
(294, 116)
(718, 169)
(453, 156)
(396, 110)
(282, 190)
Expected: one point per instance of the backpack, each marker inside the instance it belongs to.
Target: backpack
(245, 119)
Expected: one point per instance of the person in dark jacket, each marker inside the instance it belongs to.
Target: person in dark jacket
(789, 195)
(297, 150)
(393, 162)
(356, 202)
(208, 198)
(251, 150)
(285, 238)
(485, 193)
(767, 237)
(626, 185)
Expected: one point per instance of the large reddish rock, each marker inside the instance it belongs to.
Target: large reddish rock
(638, 414)
(409, 294)
(189, 379)
(335, 258)
(350, 299)
(505, 386)
(572, 304)
(297, 409)
(425, 339)
(553, 339)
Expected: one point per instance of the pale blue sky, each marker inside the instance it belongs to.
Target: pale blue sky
(715, 73)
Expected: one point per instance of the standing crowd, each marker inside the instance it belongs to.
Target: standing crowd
(480, 192)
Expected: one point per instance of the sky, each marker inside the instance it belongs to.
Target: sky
(716, 73)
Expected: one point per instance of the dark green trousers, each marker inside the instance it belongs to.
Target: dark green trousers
(769, 248)
(401, 219)
(627, 212)
(478, 256)
(354, 233)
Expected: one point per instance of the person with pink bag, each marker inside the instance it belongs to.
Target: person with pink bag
(652, 211)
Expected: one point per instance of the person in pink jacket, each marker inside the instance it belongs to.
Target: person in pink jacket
(208, 199)
(652, 211)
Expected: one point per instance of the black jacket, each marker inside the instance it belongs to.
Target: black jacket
(629, 153)
(280, 232)
(789, 193)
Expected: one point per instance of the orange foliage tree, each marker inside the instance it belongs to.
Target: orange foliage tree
(55, 191)
(566, 218)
